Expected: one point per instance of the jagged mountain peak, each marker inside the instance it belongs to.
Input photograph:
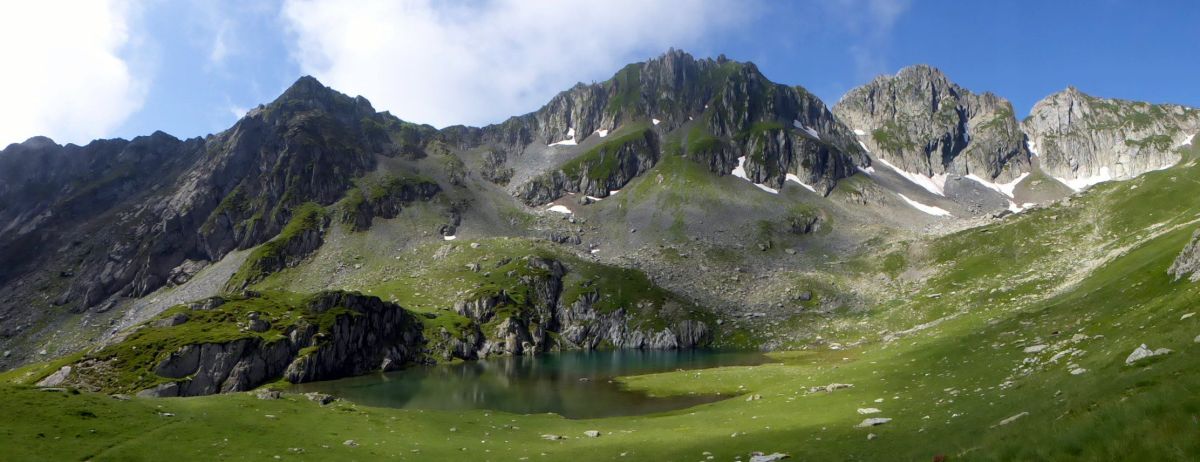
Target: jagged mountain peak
(1084, 139)
(922, 122)
(719, 110)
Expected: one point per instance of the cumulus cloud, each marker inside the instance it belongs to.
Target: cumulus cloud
(64, 75)
(447, 63)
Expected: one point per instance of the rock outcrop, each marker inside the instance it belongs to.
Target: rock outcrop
(1187, 264)
(597, 172)
(1083, 139)
(384, 199)
(365, 334)
(536, 314)
(921, 122)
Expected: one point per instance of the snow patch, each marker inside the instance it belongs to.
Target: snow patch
(869, 170)
(570, 141)
(1079, 184)
(1188, 141)
(740, 172)
(1002, 188)
(935, 184)
(614, 192)
(793, 177)
(560, 209)
(602, 133)
(935, 211)
(1031, 146)
(811, 132)
(594, 198)
(859, 132)
(449, 238)
(656, 121)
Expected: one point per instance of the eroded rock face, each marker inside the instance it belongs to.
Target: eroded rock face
(1083, 139)
(921, 122)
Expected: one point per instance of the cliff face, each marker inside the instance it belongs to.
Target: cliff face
(921, 122)
(1083, 139)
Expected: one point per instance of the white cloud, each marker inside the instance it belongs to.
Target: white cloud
(448, 63)
(64, 75)
(871, 22)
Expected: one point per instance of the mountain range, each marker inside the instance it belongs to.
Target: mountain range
(681, 203)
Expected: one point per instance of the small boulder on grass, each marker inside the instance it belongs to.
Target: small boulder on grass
(1142, 352)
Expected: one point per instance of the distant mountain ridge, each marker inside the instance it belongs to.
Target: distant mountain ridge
(85, 228)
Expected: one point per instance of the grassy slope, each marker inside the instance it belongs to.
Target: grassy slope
(1090, 277)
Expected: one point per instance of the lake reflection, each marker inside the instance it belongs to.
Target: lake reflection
(575, 385)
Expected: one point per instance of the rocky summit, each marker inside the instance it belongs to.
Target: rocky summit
(912, 273)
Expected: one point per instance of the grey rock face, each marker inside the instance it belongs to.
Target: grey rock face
(1188, 261)
(921, 122)
(1078, 137)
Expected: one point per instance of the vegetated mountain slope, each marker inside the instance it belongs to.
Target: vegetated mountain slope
(1082, 139)
(743, 198)
(89, 228)
(1014, 349)
(241, 187)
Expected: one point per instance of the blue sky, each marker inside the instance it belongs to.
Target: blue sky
(108, 68)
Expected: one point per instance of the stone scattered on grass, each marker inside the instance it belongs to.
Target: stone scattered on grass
(1078, 371)
(874, 421)
(1012, 419)
(871, 436)
(350, 443)
(760, 457)
(1142, 352)
(754, 397)
(550, 437)
(1186, 316)
(1035, 348)
(830, 388)
(268, 394)
(592, 433)
(868, 410)
(320, 398)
